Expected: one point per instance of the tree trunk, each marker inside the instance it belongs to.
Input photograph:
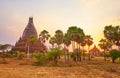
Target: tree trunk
(88, 53)
(83, 54)
(28, 51)
(64, 53)
(113, 60)
(73, 45)
(104, 56)
(79, 53)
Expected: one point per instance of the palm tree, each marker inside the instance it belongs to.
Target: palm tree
(89, 42)
(31, 41)
(59, 37)
(83, 44)
(105, 45)
(52, 41)
(112, 34)
(44, 35)
(67, 42)
(74, 34)
(79, 41)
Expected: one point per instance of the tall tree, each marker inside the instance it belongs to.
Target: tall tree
(44, 35)
(31, 41)
(52, 41)
(89, 41)
(75, 36)
(79, 41)
(112, 34)
(67, 42)
(105, 45)
(59, 37)
(72, 32)
(83, 44)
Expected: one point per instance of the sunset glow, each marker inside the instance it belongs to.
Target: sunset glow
(90, 15)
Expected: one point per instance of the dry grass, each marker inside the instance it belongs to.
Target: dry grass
(24, 69)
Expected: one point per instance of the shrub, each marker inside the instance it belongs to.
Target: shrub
(40, 58)
(73, 56)
(114, 54)
(76, 55)
(11, 53)
(107, 54)
(68, 55)
(54, 55)
(20, 55)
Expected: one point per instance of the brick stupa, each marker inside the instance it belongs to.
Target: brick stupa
(23, 42)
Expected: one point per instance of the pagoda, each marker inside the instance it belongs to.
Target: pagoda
(24, 44)
(95, 51)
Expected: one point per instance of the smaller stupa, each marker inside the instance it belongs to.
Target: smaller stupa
(23, 44)
(95, 51)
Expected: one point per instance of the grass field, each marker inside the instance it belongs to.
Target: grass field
(95, 68)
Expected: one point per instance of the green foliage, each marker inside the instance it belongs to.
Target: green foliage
(74, 57)
(114, 54)
(75, 33)
(69, 53)
(52, 41)
(54, 55)
(66, 39)
(4, 47)
(44, 35)
(12, 53)
(105, 44)
(20, 55)
(107, 54)
(59, 37)
(118, 60)
(40, 58)
(112, 33)
(32, 38)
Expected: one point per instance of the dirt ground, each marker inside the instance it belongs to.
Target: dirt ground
(94, 69)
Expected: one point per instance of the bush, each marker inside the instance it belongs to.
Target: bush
(76, 55)
(73, 56)
(114, 54)
(12, 53)
(20, 55)
(107, 54)
(54, 55)
(40, 58)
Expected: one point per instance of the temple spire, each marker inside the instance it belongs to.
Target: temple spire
(22, 44)
(30, 20)
(29, 30)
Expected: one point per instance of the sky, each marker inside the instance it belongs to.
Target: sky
(90, 15)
